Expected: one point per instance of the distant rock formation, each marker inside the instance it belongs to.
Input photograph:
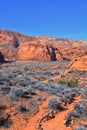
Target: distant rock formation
(39, 51)
(16, 46)
(9, 43)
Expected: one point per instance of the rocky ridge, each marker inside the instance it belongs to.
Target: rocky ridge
(16, 46)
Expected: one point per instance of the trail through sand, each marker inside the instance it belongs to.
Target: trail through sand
(56, 123)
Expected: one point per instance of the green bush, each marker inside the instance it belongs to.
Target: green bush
(61, 81)
(69, 83)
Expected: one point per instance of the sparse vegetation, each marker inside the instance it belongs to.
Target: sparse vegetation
(5, 121)
(79, 113)
(24, 90)
(69, 83)
(22, 108)
(15, 93)
(54, 104)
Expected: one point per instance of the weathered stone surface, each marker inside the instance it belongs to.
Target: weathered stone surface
(16, 46)
(39, 51)
(80, 64)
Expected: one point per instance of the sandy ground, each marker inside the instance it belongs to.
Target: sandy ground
(56, 123)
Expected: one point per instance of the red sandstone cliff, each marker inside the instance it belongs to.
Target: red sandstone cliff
(16, 46)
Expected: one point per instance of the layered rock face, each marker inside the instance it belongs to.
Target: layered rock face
(9, 43)
(80, 64)
(16, 46)
(14, 38)
(39, 51)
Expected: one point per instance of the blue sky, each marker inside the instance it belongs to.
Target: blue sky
(60, 18)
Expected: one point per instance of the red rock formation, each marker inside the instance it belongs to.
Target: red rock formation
(38, 51)
(14, 45)
(9, 43)
(80, 64)
(72, 52)
(16, 37)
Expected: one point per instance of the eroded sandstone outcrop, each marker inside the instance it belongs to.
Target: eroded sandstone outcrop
(9, 43)
(80, 64)
(16, 46)
(39, 51)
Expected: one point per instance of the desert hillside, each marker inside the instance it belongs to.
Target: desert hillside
(16, 46)
(43, 83)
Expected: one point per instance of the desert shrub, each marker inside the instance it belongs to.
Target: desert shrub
(81, 109)
(17, 79)
(33, 107)
(38, 98)
(15, 93)
(5, 120)
(33, 82)
(26, 95)
(69, 83)
(66, 98)
(61, 81)
(70, 92)
(21, 81)
(69, 96)
(68, 118)
(68, 121)
(2, 82)
(47, 87)
(50, 88)
(26, 69)
(60, 88)
(78, 108)
(11, 75)
(22, 108)
(30, 90)
(72, 83)
(66, 90)
(54, 104)
(5, 90)
(54, 89)
(84, 103)
(84, 93)
(41, 86)
(32, 104)
(73, 114)
(76, 90)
